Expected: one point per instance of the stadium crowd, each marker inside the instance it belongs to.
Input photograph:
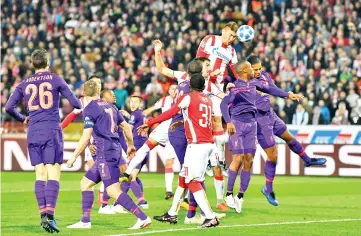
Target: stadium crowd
(310, 47)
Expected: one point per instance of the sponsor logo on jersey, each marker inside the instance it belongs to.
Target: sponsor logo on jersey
(216, 52)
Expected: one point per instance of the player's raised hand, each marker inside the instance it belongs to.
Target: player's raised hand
(231, 129)
(174, 125)
(157, 45)
(93, 149)
(294, 96)
(143, 129)
(229, 86)
(131, 152)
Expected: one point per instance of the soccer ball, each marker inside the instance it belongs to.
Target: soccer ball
(245, 33)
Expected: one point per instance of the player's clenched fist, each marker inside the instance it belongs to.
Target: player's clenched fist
(70, 162)
(157, 45)
(230, 129)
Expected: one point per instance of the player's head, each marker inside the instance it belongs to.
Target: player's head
(171, 90)
(256, 65)
(229, 33)
(197, 82)
(135, 102)
(244, 70)
(96, 78)
(108, 96)
(206, 65)
(91, 89)
(40, 59)
(194, 67)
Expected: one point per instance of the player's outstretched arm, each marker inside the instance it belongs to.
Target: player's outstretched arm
(159, 63)
(83, 143)
(10, 106)
(70, 118)
(225, 113)
(127, 129)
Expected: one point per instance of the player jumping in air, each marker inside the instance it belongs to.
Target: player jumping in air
(218, 49)
(45, 138)
(239, 111)
(268, 125)
(196, 108)
(177, 137)
(105, 120)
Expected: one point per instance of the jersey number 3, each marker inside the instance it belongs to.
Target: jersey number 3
(43, 92)
(205, 122)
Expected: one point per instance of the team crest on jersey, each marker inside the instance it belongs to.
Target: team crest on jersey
(132, 117)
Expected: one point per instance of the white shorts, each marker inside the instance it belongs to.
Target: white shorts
(216, 105)
(196, 160)
(160, 133)
(169, 151)
(87, 155)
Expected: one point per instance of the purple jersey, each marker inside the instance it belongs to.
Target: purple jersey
(137, 118)
(242, 100)
(104, 118)
(42, 95)
(182, 88)
(263, 101)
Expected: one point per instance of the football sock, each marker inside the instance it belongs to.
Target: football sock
(269, 173)
(39, 189)
(219, 139)
(105, 198)
(245, 178)
(126, 202)
(140, 183)
(192, 206)
(86, 205)
(137, 191)
(169, 175)
(178, 197)
(51, 196)
(219, 185)
(232, 175)
(200, 196)
(297, 148)
(240, 195)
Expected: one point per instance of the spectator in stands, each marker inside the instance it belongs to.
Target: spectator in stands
(317, 118)
(300, 117)
(325, 112)
(121, 96)
(341, 115)
(154, 86)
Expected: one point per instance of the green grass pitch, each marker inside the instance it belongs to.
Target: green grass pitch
(302, 199)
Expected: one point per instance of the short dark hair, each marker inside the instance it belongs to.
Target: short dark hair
(194, 67)
(253, 59)
(197, 82)
(105, 91)
(93, 77)
(39, 59)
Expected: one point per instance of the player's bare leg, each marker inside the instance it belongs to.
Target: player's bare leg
(245, 179)
(169, 176)
(232, 175)
(220, 140)
(39, 188)
(270, 173)
(103, 198)
(297, 148)
(52, 193)
(219, 186)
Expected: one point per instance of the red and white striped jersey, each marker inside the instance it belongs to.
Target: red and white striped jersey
(197, 113)
(219, 55)
(164, 103)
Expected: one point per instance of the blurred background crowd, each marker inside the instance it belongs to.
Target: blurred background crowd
(311, 47)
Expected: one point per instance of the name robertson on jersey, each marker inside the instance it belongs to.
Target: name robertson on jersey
(219, 54)
(36, 78)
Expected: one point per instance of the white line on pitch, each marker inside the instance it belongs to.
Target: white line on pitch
(236, 226)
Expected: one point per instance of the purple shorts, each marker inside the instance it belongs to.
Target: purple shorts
(137, 146)
(180, 146)
(104, 170)
(269, 125)
(45, 146)
(243, 141)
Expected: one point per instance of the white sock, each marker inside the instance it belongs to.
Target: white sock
(177, 200)
(219, 185)
(139, 157)
(220, 143)
(202, 201)
(169, 176)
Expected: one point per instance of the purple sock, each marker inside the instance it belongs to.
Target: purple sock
(105, 198)
(126, 202)
(269, 173)
(297, 148)
(245, 178)
(39, 189)
(137, 191)
(86, 205)
(192, 206)
(140, 183)
(232, 175)
(51, 196)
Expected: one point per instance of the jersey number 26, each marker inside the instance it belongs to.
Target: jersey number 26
(43, 92)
